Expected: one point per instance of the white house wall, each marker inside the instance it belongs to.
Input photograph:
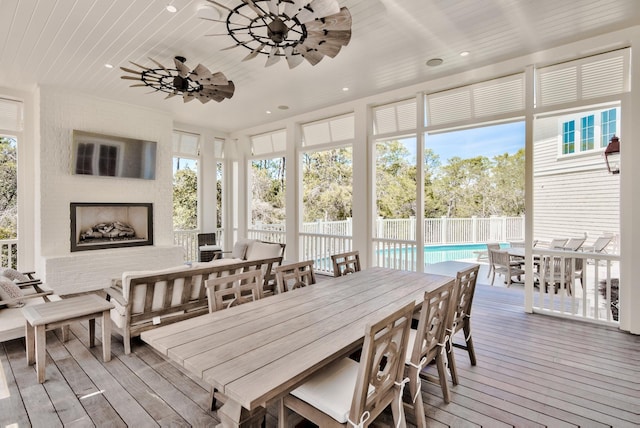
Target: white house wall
(573, 195)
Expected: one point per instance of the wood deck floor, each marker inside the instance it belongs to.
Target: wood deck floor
(532, 371)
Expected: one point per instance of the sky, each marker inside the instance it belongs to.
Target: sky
(488, 141)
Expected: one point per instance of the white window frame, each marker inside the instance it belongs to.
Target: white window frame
(576, 118)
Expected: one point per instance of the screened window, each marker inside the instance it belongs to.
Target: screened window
(186, 151)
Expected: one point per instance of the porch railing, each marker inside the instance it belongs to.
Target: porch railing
(587, 287)
(9, 253)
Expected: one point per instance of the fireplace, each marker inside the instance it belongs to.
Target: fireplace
(98, 225)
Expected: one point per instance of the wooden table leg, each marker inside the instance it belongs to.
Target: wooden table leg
(30, 343)
(92, 332)
(106, 336)
(232, 414)
(41, 352)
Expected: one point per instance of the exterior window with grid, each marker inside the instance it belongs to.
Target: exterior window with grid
(586, 133)
(579, 132)
(609, 125)
(568, 137)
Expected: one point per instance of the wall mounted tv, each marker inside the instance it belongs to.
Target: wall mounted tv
(109, 156)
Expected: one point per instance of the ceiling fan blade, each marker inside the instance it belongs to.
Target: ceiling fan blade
(157, 63)
(339, 22)
(273, 7)
(219, 79)
(294, 6)
(293, 59)
(311, 55)
(273, 56)
(254, 7)
(128, 70)
(171, 95)
(183, 70)
(137, 85)
(233, 46)
(201, 74)
(188, 97)
(130, 77)
(318, 9)
(327, 44)
(139, 66)
(254, 52)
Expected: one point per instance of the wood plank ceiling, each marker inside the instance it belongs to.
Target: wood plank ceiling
(65, 44)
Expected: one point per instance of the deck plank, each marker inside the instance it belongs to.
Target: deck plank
(533, 370)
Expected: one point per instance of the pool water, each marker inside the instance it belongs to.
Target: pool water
(444, 253)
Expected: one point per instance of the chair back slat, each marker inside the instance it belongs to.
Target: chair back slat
(295, 275)
(232, 290)
(382, 364)
(346, 263)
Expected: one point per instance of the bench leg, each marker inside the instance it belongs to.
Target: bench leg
(41, 352)
(106, 336)
(65, 332)
(30, 343)
(92, 333)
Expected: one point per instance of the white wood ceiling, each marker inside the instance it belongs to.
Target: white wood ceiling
(65, 43)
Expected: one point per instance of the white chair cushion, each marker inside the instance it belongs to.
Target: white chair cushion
(331, 389)
(240, 248)
(263, 250)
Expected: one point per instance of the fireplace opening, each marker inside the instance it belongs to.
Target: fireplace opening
(110, 225)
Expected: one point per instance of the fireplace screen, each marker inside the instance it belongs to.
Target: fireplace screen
(97, 226)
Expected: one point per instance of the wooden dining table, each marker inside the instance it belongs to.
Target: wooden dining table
(257, 352)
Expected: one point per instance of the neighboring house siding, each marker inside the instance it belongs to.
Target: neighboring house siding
(573, 195)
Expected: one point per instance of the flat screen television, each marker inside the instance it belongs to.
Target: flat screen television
(109, 156)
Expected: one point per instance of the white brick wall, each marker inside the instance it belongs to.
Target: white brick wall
(59, 114)
(92, 270)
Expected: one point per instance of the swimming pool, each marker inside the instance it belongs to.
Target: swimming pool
(443, 253)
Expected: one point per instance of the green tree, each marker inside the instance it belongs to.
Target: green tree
(461, 186)
(327, 185)
(395, 180)
(268, 190)
(8, 189)
(507, 185)
(185, 199)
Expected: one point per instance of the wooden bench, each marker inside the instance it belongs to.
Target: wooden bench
(145, 300)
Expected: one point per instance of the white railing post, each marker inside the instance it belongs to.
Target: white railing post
(443, 229)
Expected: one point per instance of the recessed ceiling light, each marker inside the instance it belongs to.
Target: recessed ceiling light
(464, 53)
(345, 89)
(434, 62)
(171, 8)
(283, 107)
(108, 65)
(207, 11)
(268, 112)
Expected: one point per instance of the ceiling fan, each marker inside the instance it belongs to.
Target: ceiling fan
(198, 83)
(293, 29)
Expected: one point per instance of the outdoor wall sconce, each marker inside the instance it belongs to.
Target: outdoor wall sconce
(612, 155)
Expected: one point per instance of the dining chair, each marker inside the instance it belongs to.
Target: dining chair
(346, 263)
(427, 344)
(503, 265)
(556, 271)
(348, 393)
(227, 291)
(491, 246)
(294, 275)
(464, 289)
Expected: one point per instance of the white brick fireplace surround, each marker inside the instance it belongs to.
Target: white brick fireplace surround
(93, 270)
(58, 114)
